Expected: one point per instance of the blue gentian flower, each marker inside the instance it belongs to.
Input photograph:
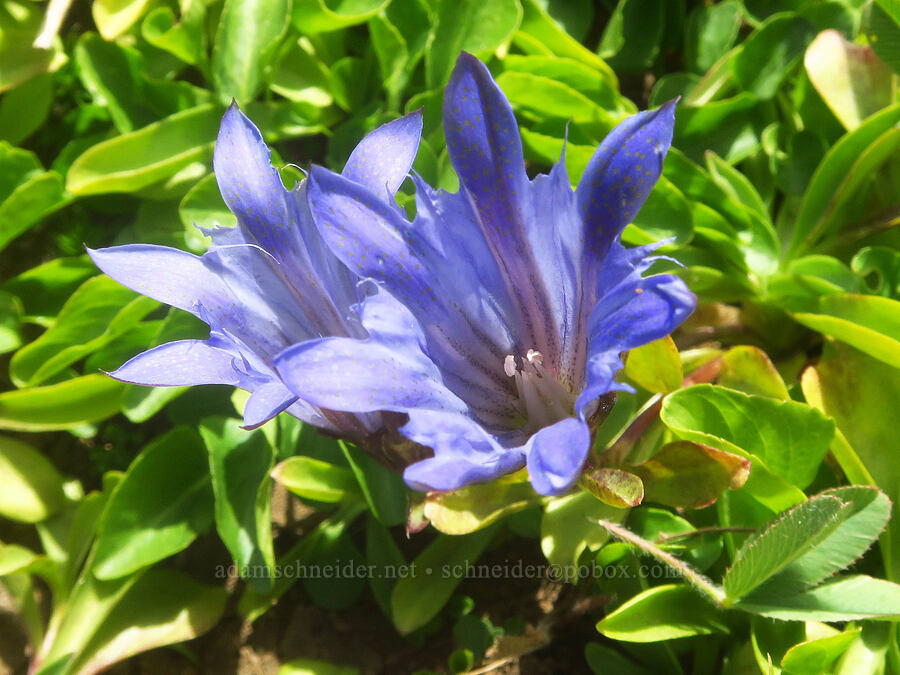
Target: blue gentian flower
(268, 283)
(524, 300)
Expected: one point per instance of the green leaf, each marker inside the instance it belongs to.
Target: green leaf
(15, 558)
(25, 109)
(135, 160)
(27, 193)
(790, 438)
(32, 487)
(114, 17)
(748, 369)
(603, 659)
(846, 599)
(313, 667)
(614, 487)
(435, 573)
(301, 76)
(67, 405)
(185, 38)
(569, 528)
(547, 97)
(632, 39)
(709, 34)
(164, 607)
(248, 35)
(384, 490)
(239, 463)
(884, 264)
(785, 540)
(847, 165)
(868, 322)
(477, 506)
(861, 417)
(666, 214)
(204, 207)
(690, 475)
(881, 24)
(44, 289)
(770, 53)
(663, 613)
(656, 366)
(99, 312)
(314, 479)
(20, 60)
(541, 34)
(10, 322)
(164, 501)
(320, 16)
(817, 656)
(383, 553)
(849, 78)
(476, 26)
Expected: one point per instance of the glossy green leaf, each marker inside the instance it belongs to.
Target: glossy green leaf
(319, 16)
(314, 479)
(477, 506)
(690, 475)
(709, 33)
(66, 405)
(541, 34)
(869, 323)
(769, 54)
(436, 572)
(845, 599)
(15, 558)
(135, 160)
(569, 527)
(546, 96)
(861, 417)
(663, 613)
(749, 369)
(884, 264)
(848, 163)
(475, 26)
(99, 312)
(655, 366)
(849, 78)
(665, 215)
(789, 437)
(184, 37)
(156, 511)
(633, 36)
(383, 489)
(164, 607)
(239, 462)
(20, 23)
(25, 109)
(114, 17)
(32, 487)
(817, 656)
(10, 322)
(301, 76)
(881, 24)
(248, 34)
(44, 289)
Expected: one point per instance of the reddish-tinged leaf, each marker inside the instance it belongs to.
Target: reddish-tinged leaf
(691, 475)
(614, 487)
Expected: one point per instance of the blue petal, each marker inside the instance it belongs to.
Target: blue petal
(456, 312)
(485, 148)
(185, 362)
(166, 274)
(383, 158)
(464, 452)
(621, 174)
(556, 455)
(363, 376)
(265, 402)
(633, 314)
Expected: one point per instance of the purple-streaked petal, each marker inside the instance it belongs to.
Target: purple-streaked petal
(181, 363)
(621, 174)
(635, 315)
(166, 274)
(250, 185)
(486, 150)
(556, 455)
(265, 402)
(383, 158)
(464, 452)
(363, 376)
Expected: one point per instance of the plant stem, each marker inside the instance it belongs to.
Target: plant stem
(692, 576)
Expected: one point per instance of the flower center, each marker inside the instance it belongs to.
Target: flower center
(543, 399)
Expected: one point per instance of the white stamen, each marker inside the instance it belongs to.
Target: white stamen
(543, 399)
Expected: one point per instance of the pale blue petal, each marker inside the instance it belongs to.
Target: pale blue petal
(556, 455)
(181, 363)
(383, 158)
